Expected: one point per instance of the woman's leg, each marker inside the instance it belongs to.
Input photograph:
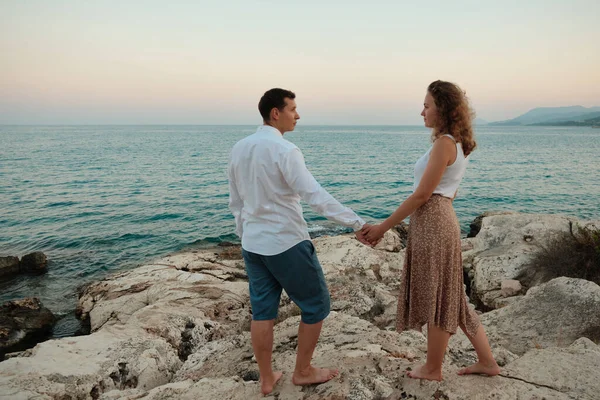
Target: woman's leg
(486, 364)
(437, 341)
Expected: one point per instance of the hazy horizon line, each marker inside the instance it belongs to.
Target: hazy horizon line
(412, 125)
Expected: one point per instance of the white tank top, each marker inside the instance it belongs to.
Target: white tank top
(452, 175)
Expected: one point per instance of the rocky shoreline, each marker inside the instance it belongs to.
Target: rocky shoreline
(178, 328)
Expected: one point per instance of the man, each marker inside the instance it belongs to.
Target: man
(267, 179)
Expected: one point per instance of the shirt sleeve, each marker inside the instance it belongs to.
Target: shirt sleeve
(235, 201)
(299, 178)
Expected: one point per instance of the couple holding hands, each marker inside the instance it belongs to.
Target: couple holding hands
(267, 180)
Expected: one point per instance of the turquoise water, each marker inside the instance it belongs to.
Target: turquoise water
(97, 199)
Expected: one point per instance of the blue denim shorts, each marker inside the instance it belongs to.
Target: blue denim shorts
(297, 270)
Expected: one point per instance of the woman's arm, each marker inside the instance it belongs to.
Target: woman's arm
(443, 151)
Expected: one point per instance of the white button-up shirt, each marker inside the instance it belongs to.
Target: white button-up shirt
(267, 179)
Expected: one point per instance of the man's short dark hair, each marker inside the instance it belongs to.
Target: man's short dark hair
(274, 98)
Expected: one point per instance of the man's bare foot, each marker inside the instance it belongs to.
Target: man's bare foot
(266, 385)
(313, 376)
(422, 372)
(481, 369)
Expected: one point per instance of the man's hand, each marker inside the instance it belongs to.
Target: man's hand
(361, 237)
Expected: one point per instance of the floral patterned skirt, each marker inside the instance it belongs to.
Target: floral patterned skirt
(432, 291)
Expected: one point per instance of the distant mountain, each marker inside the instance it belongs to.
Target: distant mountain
(549, 115)
(576, 118)
(479, 121)
(594, 121)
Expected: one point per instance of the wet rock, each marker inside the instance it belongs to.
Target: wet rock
(23, 323)
(36, 262)
(9, 266)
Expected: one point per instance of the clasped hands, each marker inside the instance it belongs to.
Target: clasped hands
(370, 235)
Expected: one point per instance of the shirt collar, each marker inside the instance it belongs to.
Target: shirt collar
(269, 130)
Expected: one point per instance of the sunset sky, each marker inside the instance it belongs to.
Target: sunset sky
(349, 62)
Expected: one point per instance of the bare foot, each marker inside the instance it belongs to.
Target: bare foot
(313, 376)
(266, 385)
(481, 369)
(421, 372)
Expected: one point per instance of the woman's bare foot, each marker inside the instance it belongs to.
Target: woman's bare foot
(423, 372)
(313, 376)
(266, 385)
(481, 369)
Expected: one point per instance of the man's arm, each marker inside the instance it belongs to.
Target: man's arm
(299, 178)
(235, 202)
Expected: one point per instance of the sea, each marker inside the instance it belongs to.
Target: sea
(102, 199)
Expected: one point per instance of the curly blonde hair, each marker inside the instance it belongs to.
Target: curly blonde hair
(455, 115)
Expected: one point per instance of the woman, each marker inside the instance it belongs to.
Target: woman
(432, 290)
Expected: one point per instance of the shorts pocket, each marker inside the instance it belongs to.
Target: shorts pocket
(312, 248)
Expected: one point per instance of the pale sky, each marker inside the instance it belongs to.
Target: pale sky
(349, 62)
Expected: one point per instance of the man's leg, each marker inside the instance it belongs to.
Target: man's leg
(265, 293)
(299, 272)
(305, 373)
(262, 343)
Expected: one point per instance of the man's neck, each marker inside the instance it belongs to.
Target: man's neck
(272, 126)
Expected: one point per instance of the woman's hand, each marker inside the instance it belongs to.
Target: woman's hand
(373, 233)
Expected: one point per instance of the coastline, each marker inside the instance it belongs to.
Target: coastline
(95, 214)
(179, 327)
